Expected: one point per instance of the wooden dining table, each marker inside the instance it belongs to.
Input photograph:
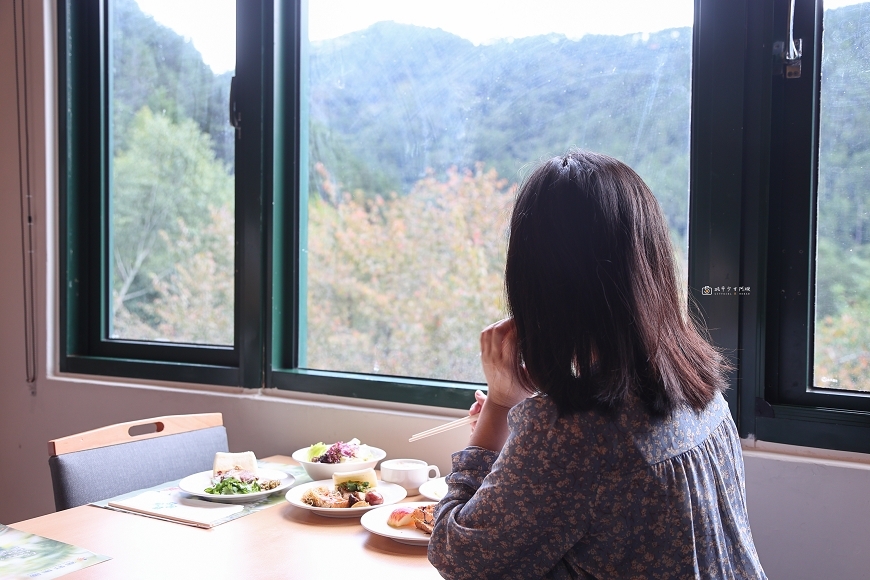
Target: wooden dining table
(281, 542)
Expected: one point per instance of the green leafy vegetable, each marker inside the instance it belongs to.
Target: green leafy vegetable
(232, 486)
(353, 486)
(317, 450)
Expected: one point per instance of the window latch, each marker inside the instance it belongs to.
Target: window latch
(235, 112)
(787, 54)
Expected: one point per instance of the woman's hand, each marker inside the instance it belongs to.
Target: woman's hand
(476, 407)
(497, 354)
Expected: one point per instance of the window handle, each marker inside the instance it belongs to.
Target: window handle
(235, 111)
(787, 54)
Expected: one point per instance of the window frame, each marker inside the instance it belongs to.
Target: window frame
(84, 170)
(286, 365)
(731, 141)
(754, 200)
(797, 411)
(748, 128)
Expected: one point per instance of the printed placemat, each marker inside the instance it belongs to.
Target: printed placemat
(171, 500)
(24, 555)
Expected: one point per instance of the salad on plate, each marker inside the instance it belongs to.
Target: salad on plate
(339, 452)
(236, 478)
(234, 481)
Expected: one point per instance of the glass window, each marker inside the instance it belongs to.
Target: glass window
(422, 119)
(842, 315)
(172, 184)
(348, 240)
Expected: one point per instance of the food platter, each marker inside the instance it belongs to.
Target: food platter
(195, 485)
(375, 521)
(434, 489)
(392, 494)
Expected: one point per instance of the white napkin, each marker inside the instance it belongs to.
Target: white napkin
(176, 507)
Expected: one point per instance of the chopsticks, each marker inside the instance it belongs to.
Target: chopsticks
(442, 428)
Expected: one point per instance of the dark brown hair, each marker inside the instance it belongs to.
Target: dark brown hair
(592, 288)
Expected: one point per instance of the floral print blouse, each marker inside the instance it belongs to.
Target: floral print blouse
(590, 496)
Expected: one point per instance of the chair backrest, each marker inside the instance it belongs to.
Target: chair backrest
(109, 461)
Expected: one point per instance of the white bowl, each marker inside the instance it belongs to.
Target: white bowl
(318, 471)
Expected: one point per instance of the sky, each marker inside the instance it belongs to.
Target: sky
(209, 24)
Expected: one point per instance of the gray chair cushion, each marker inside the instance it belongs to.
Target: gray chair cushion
(86, 476)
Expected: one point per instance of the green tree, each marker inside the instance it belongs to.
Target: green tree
(842, 341)
(153, 66)
(166, 187)
(195, 302)
(402, 285)
(398, 100)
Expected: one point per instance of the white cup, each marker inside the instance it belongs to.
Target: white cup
(409, 473)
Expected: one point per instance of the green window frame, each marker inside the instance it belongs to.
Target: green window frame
(83, 161)
(793, 409)
(752, 222)
(753, 139)
(269, 285)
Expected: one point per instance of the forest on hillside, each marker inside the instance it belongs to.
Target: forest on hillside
(417, 140)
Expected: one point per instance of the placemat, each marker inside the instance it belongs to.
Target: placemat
(24, 555)
(169, 499)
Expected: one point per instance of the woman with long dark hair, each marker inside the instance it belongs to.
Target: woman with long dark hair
(604, 448)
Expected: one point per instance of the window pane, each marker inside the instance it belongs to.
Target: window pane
(423, 117)
(842, 329)
(171, 248)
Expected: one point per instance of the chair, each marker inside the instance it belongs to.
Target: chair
(112, 460)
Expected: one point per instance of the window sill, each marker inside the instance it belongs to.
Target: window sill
(798, 454)
(272, 394)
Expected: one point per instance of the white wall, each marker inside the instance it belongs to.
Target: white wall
(810, 516)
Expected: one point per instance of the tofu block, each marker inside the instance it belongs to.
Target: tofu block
(226, 461)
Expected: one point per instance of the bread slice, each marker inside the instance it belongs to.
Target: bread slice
(424, 518)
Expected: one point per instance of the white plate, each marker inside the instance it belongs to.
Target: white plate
(376, 522)
(434, 489)
(392, 494)
(195, 485)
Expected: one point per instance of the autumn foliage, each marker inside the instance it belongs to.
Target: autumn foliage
(403, 284)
